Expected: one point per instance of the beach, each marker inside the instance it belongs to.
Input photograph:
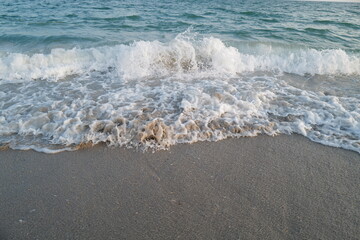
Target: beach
(179, 119)
(283, 187)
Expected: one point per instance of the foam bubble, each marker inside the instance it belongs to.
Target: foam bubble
(153, 59)
(154, 95)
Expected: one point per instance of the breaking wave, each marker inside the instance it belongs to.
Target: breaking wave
(154, 95)
(181, 55)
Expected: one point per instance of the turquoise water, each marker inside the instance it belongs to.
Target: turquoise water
(38, 26)
(151, 74)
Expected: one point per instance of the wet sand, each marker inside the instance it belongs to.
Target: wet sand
(283, 187)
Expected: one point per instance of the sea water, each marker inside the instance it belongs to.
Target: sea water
(151, 74)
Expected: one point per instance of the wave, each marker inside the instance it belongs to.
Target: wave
(31, 44)
(154, 95)
(342, 24)
(181, 55)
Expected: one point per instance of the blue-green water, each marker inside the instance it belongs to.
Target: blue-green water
(38, 26)
(158, 73)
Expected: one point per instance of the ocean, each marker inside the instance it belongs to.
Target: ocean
(151, 74)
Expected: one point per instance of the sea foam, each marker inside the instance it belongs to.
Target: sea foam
(181, 55)
(154, 95)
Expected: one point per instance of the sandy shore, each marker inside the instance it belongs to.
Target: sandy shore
(283, 187)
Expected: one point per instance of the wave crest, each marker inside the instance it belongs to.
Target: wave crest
(181, 55)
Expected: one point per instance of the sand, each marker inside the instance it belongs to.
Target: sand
(283, 187)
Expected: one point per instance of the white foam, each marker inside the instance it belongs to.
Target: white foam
(153, 59)
(151, 94)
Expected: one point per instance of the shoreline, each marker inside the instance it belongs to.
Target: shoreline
(263, 187)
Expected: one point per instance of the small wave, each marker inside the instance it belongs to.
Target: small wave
(184, 24)
(181, 55)
(341, 24)
(227, 10)
(251, 13)
(317, 30)
(49, 22)
(22, 39)
(102, 8)
(324, 21)
(210, 13)
(271, 20)
(71, 15)
(192, 16)
(134, 17)
(114, 19)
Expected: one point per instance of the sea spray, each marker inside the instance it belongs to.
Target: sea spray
(143, 59)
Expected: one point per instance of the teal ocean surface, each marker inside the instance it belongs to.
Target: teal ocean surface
(151, 74)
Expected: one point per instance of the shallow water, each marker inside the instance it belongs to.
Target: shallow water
(154, 74)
